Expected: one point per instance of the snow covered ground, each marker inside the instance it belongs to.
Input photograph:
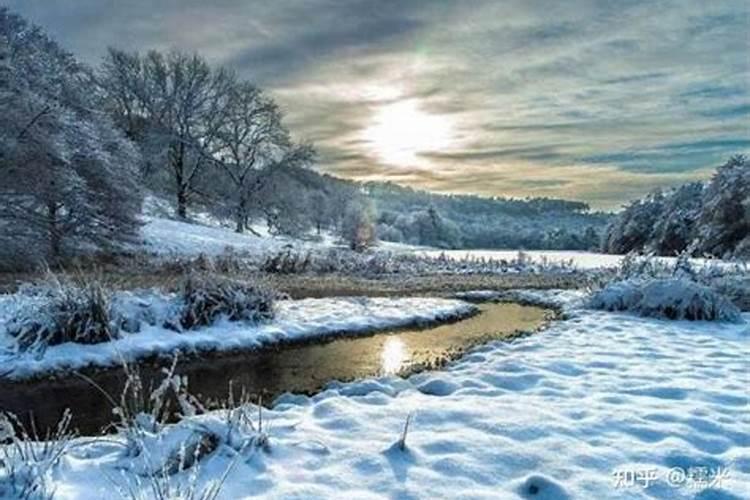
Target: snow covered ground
(168, 237)
(295, 320)
(581, 260)
(171, 237)
(599, 406)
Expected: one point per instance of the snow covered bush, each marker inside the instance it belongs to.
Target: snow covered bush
(670, 298)
(207, 297)
(371, 263)
(735, 287)
(287, 261)
(62, 311)
(730, 281)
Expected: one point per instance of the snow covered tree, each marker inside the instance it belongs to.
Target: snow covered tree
(724, 219)
(631, 230)
(319, 210)
(675, 228)
(252, 137)
(175, 104)
(284, 201)
(701, 218)
(70, 178)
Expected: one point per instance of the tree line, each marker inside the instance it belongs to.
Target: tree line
(463, 221)
(704, 219)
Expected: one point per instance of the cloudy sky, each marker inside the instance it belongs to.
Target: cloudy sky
(600, 101)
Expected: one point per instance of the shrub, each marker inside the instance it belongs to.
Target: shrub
(287, 261)
(729, 280)
(734, 287)
(671, 298)
(206, 297)
(63, 311)
(357, 227)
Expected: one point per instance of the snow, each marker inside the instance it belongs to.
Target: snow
(167, 237)
(171, 237)
(294, 320)
(581, 260)
(204, 233)
(556, 415)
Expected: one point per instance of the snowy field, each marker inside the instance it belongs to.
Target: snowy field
(295, 320)
(170, 237)
(599, 406)
(580, 259)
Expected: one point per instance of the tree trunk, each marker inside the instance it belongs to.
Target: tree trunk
(178, 162)
(182, 202)
(241, 215)
(240, 228)
(55, 242)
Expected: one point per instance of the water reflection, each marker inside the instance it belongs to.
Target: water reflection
(393, 356)
(302, 368)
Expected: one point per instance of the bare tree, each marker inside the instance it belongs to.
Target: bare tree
(252, 137)
(175, 105)
(284, 199)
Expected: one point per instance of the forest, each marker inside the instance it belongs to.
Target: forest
(703, 219)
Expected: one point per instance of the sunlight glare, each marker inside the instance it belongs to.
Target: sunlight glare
(401, 130)
(393, 356)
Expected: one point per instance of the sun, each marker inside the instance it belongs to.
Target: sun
(400, 131)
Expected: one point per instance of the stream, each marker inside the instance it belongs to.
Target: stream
(305, 368)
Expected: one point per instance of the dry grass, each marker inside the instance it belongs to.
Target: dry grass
(66, 310)
(208, 296)
(27, 458)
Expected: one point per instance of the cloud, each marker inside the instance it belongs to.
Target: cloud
(595, 100)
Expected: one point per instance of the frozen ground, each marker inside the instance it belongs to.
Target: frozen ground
(599, 406)
(295, 319)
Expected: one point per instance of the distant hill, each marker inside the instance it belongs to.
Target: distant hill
(407, 215)
(465, 221)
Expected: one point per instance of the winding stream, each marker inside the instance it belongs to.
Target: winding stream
(304, 368)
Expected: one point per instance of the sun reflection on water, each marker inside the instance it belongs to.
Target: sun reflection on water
(393, 356)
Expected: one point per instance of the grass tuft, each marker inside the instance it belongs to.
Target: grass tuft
(207, 297)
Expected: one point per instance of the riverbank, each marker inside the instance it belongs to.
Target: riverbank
(294, 320)
(302, 366)
(560, 414)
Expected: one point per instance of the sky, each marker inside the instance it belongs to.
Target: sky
(599, 101)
